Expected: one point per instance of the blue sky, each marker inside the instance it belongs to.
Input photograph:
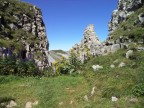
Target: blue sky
(66, 20)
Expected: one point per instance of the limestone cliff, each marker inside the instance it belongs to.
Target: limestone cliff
(23, 32)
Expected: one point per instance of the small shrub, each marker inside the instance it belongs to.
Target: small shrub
(11, 66)
(138, 90)
(108, 92)
(48, 72)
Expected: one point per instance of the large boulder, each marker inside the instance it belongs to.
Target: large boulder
(115, 47)
(11, 104)
(129, 54)
(97, 67)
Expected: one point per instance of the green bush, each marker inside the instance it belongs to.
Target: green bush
(138, 90)
(11, 66)
(48, 72)
(7, 66)
(74, 62)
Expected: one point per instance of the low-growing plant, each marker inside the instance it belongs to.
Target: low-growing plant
(11, 66)
(138, 90)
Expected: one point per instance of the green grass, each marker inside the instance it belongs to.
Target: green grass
(117, 82)
(48, 91)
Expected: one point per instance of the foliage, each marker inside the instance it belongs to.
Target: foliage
(69, 66)
(11, 66)
(7, 66)
(119, 82)
(62, 67)
(15, 6)
(138, 90)
(48, 72)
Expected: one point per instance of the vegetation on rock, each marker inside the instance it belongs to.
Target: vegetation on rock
(129, 28)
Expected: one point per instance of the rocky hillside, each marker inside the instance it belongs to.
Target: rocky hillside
(23, 32)
(128, 20)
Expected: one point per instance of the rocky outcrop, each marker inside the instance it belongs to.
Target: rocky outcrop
(90, 44)
(22, 24)
(125, 20)
(124, 9)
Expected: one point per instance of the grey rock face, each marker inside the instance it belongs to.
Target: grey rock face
(115, 47)
(124, 9)
(12, 26)
(36, 27)
(90, 44)
(129, 54)
(141, 17)
(90, 36)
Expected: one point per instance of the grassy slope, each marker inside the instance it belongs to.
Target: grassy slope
(116, 82)
(108, 82)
